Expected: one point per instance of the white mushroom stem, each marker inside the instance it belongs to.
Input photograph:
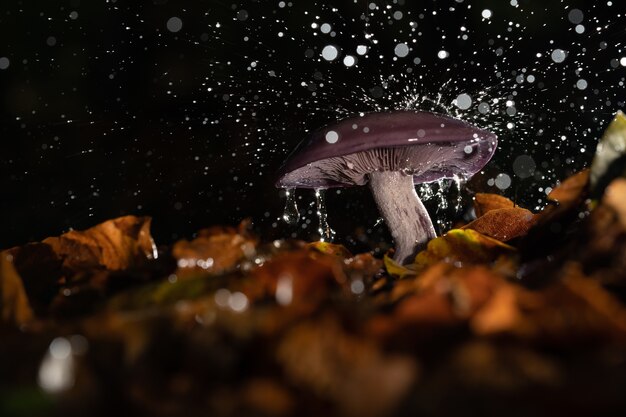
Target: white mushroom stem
(403, 211)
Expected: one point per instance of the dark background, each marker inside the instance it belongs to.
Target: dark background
(105, 111)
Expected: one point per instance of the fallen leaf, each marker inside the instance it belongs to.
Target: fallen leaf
(214, 251)
(571, 190)
(485, 202)
(503, 224)
(350, 371)
(330, 249)
(299, 277)
(611, 149)
(14, 304)
(461, 246)
(115, 244)
(615, 198)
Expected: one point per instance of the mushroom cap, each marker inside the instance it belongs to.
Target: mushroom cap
(428, 146)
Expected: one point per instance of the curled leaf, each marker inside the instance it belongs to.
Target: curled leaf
(485, 202)
(330, 249)
(115, 244)
(503, 224)
(570, 190)
(462, 246)
(213, 251)
(14, 305)
(608, 162)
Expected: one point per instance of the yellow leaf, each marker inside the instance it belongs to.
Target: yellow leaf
(330, 249)
(464, 246)
(14, 305)
(395, 269)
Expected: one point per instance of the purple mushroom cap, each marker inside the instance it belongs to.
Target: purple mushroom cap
(391, 152)
(426, 145)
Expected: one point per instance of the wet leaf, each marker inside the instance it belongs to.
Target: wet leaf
(330, 249)
(503, 224)
(214, 251)
(570, 190)
(396, 270)
(347, 370)
(115, 244)
(297, 277)
(608, 162)
(615, 198)
(14, 304)
(484, 203)
(462, 246)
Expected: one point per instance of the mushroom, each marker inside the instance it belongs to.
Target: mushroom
(392, 151)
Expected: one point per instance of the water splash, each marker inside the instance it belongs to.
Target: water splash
(291, 215)
(326, 233)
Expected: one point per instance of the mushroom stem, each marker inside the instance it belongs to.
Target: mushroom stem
(403, 211)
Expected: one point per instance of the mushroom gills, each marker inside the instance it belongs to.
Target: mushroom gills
(403, 211)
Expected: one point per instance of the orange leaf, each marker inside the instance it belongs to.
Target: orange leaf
(484, 203)
(115, 245)
(214, 251)
(571, 189)
(14, 305)
(503, 224)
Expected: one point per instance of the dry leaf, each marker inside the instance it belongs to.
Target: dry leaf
(503, 224)
(330, 249)
(214, 251)
(484, 203)
(14, 304)
(115, 244)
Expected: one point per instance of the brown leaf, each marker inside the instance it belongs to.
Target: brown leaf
(503, 224)
(115, 244)
(297, 277)
(14, 304)
(615, 198)
(214, 251)
(570, 190)
(484, 203)
(349, 371)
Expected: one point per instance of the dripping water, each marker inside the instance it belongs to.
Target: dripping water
(291, 215)
(326, 233)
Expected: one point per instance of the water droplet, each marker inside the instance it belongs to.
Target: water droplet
(291, 214)
(326, 233)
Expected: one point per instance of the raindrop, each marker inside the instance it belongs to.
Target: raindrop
(361, 49)
(51, 41)
(174, 24)
(349, 61)
(523, 166)
(330, 52)
(503, 181)
(483, 108)
(401, 50)
(74, 15)
(622, 61)
(581, 84)
(4, 63)
(443, 54)
(575, 16)
(559, 55)
(241, 15)
(487, 14)
(463, 101)
(332, 136)
(326, 233)
(291, 215)
(580, 29)
(325, 28)
(397, 15)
